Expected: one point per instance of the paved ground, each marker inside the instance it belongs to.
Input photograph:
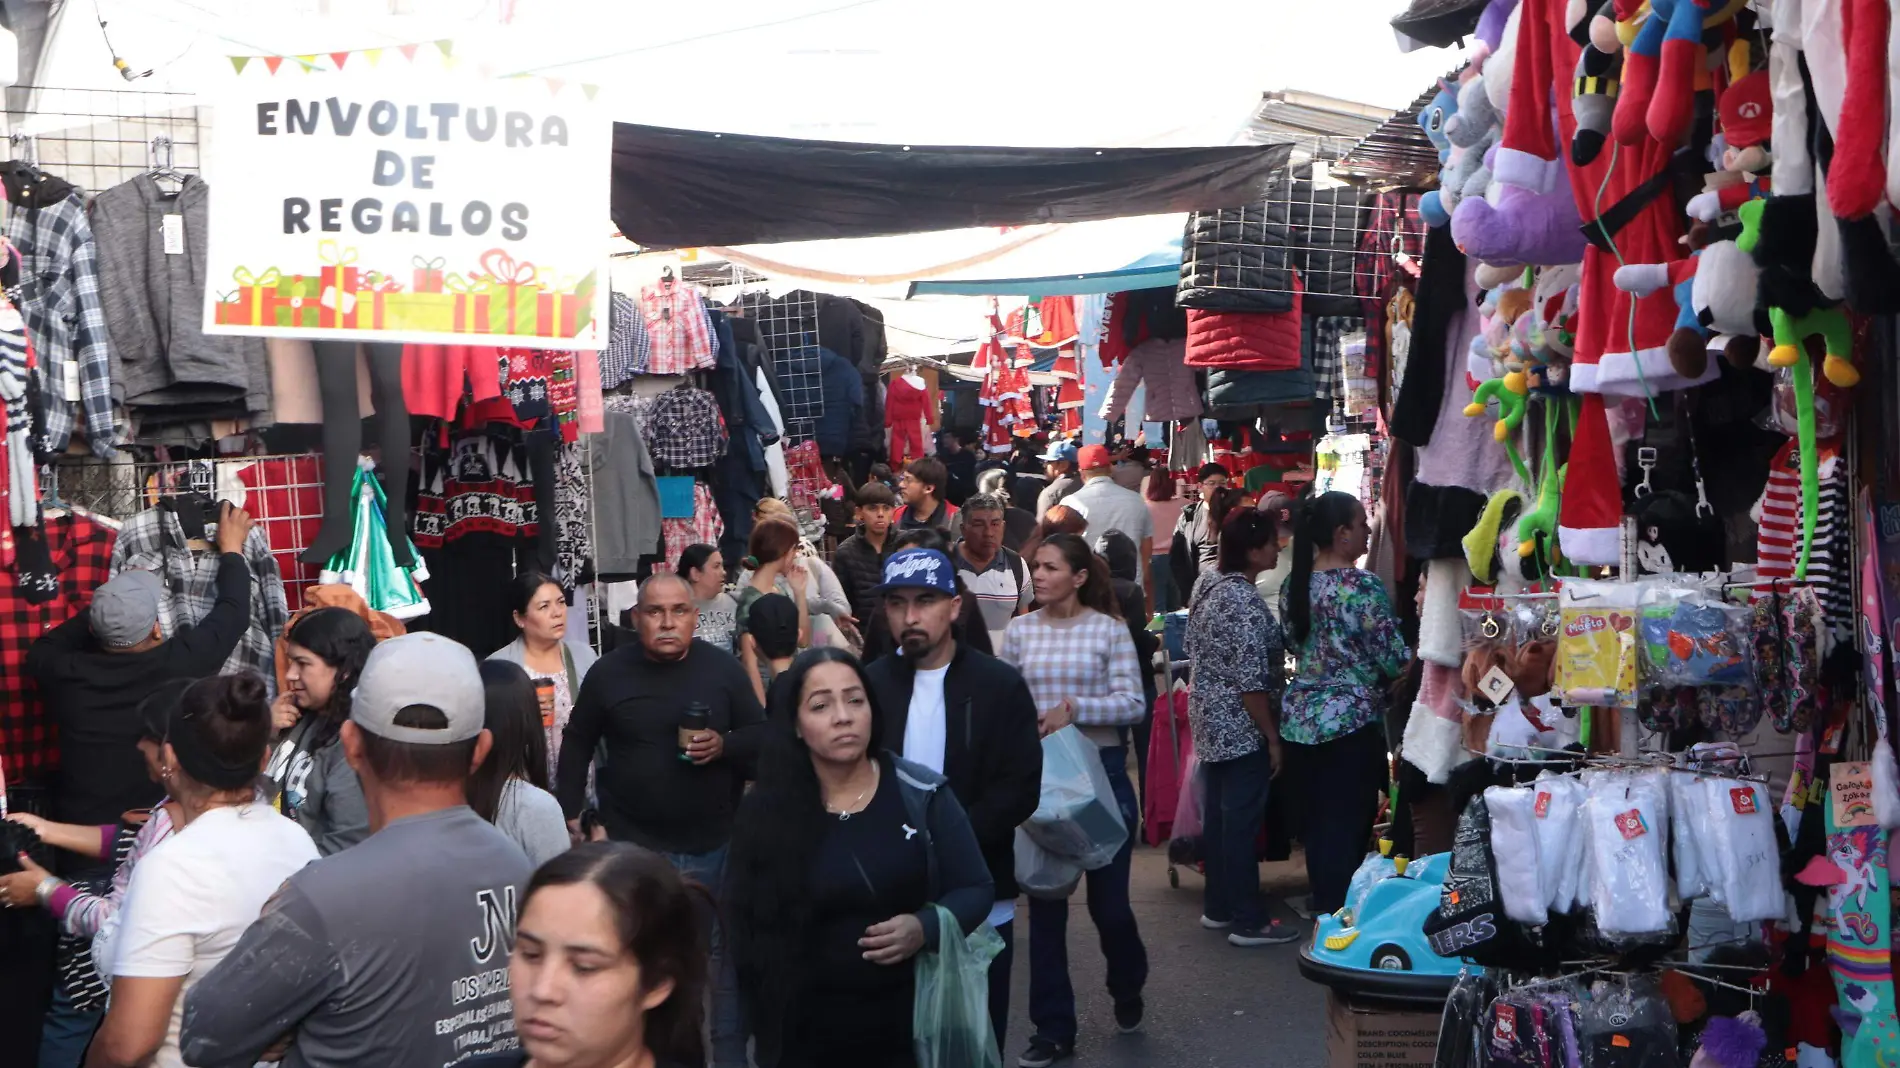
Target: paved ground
(1210, 1005)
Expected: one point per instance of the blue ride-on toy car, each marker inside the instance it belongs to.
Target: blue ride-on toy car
(1381, 953)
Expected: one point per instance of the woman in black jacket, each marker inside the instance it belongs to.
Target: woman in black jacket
(839, 855)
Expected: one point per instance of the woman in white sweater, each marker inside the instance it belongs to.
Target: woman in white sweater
(1081, 667)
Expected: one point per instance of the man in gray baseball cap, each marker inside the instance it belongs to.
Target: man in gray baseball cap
(95, 668)
(393, 952)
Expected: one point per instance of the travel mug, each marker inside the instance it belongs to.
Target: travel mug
(544, 693)
(694, 720)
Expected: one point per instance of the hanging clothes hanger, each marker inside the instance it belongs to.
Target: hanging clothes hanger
(160, 166)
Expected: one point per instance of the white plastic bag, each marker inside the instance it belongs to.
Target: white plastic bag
(1514, 851)
(1041, 873)
(1557, 806)
(1078, 817)
(1686, 809)
(1744, 839)
(1375, 869)
(1627, 816)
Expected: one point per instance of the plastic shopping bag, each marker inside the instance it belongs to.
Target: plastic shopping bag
(950, 1013)
(1078, 817)
(1373, 870)
(1040, 873)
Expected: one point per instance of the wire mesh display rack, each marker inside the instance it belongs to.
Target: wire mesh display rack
(98, 138)
(283, 493)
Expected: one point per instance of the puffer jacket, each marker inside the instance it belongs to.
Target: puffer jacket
(1172, 391)
(1240, 259)
(859, 569)
(1244, 341)
(1325, 225)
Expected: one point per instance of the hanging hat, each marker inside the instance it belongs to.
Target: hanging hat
(1747, 111)
(1590, 522)
(1481, 545)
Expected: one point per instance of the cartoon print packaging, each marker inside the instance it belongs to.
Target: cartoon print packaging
(1596, 644)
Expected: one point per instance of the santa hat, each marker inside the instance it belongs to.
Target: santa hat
(1590, 522)
(1527, 154)
(1857, 180)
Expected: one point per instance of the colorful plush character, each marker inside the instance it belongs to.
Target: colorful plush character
(1431, 119)
(1541, 521)
(1520, 226)
(1593, 101)
(1860, 940)
(1511, 393)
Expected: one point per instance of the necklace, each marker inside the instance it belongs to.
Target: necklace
(846, 812)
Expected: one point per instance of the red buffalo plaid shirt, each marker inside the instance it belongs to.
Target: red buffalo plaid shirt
(82, 552)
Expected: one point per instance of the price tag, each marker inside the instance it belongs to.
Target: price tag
(69, 379)
(172, 229)
(1496, 685)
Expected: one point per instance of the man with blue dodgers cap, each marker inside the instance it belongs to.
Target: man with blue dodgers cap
(1059, 464)
(967, 715)
(95, 668)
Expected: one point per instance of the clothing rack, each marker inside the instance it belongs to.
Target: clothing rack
(98, 138)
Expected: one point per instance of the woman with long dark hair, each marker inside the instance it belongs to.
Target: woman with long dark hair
(324, 654)
(1239, 662)
(510, 788)
(609, 969)
(838, 854)
(196, 892)
(557, 666)
(1080, 664)
(1346, 637)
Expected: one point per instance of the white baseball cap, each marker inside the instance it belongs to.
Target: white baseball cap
(420, 669)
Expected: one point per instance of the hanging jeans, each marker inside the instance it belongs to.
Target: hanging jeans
(1051, 994)
(343, 442)
(1231, 817)
(727, 1025)
(1343, 779)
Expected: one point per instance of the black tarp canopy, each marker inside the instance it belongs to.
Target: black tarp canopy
(682, 188)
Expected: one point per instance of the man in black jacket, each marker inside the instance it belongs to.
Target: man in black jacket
(859, 559)
(967, 715)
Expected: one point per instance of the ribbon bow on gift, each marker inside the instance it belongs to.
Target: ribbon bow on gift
(335, 255)
(381, 283)
(503, 268)
(266, 280)
(455, 283)
(422, 264)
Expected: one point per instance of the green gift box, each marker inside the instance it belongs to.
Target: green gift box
(512, 311)
(419, 311)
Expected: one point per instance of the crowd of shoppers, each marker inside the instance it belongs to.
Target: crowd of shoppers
(727, 841)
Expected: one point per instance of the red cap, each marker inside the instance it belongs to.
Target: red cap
(1092, 456)
(1747, 111)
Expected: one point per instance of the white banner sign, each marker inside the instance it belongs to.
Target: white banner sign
(386, 195)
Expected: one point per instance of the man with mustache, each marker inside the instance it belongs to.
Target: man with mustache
(673, 790)
(967, 715)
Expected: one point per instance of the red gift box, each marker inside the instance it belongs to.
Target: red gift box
(428, 274)
(337, 283)
(557, 316)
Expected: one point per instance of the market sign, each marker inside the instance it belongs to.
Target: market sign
(393, 195)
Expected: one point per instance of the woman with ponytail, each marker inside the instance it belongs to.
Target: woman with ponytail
(1080, 664)
(1341, 628)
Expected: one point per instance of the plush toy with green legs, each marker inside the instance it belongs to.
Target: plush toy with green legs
(1832, 326)
(1541, 519)
(1512, 394)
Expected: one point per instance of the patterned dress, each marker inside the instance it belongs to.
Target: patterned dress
(1351, 650)
(1236, 648)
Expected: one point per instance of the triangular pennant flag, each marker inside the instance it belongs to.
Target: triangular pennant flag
(408, 51)
(554, 86)
(338, 58)
(374, 55)
(273, 62)
(447, 46)
(309, 60)
(590, 90)
(238, 62)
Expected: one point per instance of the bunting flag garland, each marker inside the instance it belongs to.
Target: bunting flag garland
(314, 62)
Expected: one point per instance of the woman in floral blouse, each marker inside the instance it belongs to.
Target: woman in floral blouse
(1343, 631)
(1238, 661)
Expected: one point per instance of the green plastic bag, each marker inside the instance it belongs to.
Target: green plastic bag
(950, 1017)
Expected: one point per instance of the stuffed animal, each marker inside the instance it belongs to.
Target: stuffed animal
(1731, 1042)
(1432, 119)
(1511, 393)
(1593, 101)
(1520, 226)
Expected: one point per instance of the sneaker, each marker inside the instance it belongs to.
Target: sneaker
(1213, 924)
(1128, 1015)
(1043, 1052)
(1302, 906)
(1273, 934)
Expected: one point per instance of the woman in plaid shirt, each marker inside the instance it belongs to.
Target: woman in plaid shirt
(1081, 667)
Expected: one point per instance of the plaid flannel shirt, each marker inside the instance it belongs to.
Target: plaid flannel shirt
(1089, 661)
(81, 549)
(683, 429)
(154, 540)
(1329, 362)
(679, 331)
(59, 283)
(628, 350)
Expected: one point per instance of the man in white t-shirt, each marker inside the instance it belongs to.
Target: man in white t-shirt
(995, 576)
(966, 715)
(1108, 506)
(194, 894)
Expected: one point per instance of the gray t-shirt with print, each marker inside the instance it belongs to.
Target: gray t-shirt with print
(389, 954)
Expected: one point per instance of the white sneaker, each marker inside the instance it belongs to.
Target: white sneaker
(1213, 924)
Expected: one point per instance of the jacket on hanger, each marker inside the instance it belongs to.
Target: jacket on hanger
(626, 497)
(154, 306)
(1172, 393)
(63, 313)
